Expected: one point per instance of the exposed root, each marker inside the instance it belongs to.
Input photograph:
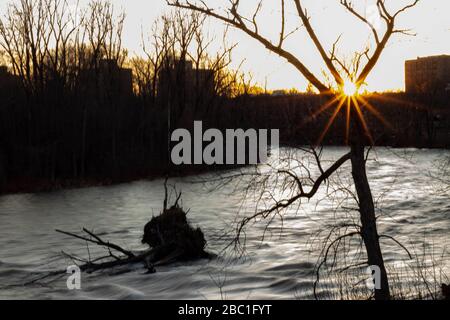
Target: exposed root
(169, 236)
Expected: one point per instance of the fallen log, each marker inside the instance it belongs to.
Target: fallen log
(98, 241)
(169, 235)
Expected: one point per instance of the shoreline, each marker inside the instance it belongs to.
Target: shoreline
(33, 185)
(36, 185)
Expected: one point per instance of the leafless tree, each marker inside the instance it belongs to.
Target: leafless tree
(52, 47)
(178, 54)
(341, 73)
(46, 39)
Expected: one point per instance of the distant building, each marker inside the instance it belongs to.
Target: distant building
(4, 75)
(428, 74)
(279, 93)
(115, 78)
(7, 79)
(108, 80)
(3, 71)
(9, 83)
(181, 75)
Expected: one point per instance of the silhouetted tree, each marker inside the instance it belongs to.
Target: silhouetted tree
(56, 53)
(343, 75)
(73, 118)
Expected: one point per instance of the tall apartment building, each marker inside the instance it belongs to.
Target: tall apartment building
(428, 74)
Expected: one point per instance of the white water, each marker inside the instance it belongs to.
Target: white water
(414, 211)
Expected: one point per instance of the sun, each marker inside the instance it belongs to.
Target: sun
(354, 105)
(349, 99)
(350, 89)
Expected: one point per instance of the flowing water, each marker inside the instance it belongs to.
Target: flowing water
(412, 207)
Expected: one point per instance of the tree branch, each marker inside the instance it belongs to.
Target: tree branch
(302, 194)
(329, 63)
(397, 242)
(236, 21)
(381, 44)
(98, 241)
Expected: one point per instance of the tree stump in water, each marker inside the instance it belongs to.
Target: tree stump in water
(172, 237)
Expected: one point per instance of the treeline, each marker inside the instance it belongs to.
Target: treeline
(70, 109)
(394, 119)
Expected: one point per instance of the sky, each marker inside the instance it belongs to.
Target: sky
(429, 20)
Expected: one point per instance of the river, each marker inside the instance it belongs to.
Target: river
(412, 207)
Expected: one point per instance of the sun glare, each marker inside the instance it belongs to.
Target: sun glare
(348, 98)
(350, 89)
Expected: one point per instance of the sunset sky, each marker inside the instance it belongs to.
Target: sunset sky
(429, 20)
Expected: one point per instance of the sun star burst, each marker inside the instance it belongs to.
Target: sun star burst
(350, 89)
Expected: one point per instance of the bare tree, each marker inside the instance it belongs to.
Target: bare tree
(177, 54)
(46, 39)
(344, 75)
(52, 48)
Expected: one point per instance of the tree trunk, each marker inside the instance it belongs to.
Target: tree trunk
(368, 220)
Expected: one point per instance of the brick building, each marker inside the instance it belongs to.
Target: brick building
(428, 74)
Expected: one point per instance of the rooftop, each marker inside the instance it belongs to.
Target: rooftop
(431, 57)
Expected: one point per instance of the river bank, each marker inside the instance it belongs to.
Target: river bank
(42, 185)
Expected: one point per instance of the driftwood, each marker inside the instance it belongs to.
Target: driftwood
(169, 236)
(105, 262)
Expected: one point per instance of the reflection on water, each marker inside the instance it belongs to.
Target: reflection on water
(280, 267)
